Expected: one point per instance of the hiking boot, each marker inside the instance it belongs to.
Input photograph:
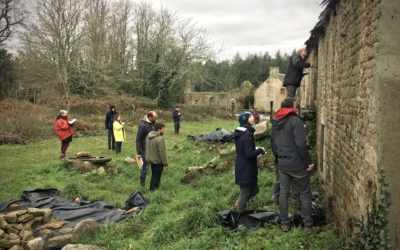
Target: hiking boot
(142, 181)
(313, 229)
(285, 228)
(62, 157)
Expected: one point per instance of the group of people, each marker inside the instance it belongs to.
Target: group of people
(292, 161)
(288, 142)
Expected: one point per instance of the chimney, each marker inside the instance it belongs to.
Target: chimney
(274, 72)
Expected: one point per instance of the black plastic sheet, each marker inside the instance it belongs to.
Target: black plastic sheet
(259, 218)
(73, 212)
(219, 135)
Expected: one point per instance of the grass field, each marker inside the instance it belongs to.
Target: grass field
(178, 216)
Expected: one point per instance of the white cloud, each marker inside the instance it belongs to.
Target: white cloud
(251, 26)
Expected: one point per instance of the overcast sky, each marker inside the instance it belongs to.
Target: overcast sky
(251, 26)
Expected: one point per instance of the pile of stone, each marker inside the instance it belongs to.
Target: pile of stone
(218, 164)
(35, 229)
(85, 162)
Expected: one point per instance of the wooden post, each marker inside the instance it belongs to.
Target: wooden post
(271, 105)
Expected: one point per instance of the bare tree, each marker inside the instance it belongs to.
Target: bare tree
(54, 34)
(9, 17)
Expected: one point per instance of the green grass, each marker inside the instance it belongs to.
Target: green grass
(178, 216)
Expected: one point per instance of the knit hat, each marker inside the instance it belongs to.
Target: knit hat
(244, 118)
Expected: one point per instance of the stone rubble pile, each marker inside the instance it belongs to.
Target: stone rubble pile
(35, 229)
(85, 162)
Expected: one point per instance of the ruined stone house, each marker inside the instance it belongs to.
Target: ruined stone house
(355, 91)
(271, 90)
(243, 97)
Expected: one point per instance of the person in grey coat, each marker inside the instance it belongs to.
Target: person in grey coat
(156, 154)
(294, 162)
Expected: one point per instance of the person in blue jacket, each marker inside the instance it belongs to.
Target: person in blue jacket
(246, 171)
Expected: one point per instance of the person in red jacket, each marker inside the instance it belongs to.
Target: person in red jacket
(64, 130)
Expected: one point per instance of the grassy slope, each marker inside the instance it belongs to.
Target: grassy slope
(178, 217)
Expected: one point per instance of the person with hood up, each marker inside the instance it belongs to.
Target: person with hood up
(144, 128)
(119, 133)
(294, 73)
(64, 130)
(176, 117)
(156, 154)
(246, 171)
(109, 121)
(294, 162)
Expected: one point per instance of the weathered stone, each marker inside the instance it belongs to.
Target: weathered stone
(261, 130)
(54, 224)
(87, 167)
(5, 244)
(47, 215)
(82, 247)
(16, 247)
(11, 217)
(129, 160)
(37, 220)
(26, 234)
(59, 241)
(133, 210)
(84, 154)
(2, 233)
(14, 207)
(38, 211)
(66, 230)
(25, 218)
(101, 171)
(84, 228)
(3, 224)
(36, 244)
(12, 230)
(46, 233)
(116, 169)
(12, 236)
(17, 226)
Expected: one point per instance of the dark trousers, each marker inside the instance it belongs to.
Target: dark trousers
(246, 193)
(64, 146)
(291, 90)
(118, 147)
(156, 172)
(111, 139)
(302, 180)
(177, 126)
(276, 191)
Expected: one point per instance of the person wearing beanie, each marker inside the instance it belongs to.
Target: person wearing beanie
(246, 171)
(294, 163)
(108, 122)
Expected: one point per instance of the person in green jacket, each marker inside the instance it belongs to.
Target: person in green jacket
(156, 154)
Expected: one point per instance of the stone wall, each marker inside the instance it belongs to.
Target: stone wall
(344, 90)
(270, 91)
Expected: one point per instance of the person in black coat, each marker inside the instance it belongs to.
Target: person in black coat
(176, 117)
(294, 73)
(146, 125)
(294, 162)
(246, 171)
(108, 123)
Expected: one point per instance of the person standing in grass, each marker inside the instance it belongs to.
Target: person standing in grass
(156, 154)
(294, 162)
(64, 130)
(119, 132)
(109, 126)
(246, 171)
(145, 126)
(176, 117)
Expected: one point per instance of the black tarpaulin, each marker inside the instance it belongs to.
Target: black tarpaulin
(219, 135)
(259, 218)
(73, 212)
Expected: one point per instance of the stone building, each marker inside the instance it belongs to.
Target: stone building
(355, 90)
(243, 97)
(270, 91)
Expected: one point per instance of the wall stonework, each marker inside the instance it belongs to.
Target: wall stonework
(353, 137)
